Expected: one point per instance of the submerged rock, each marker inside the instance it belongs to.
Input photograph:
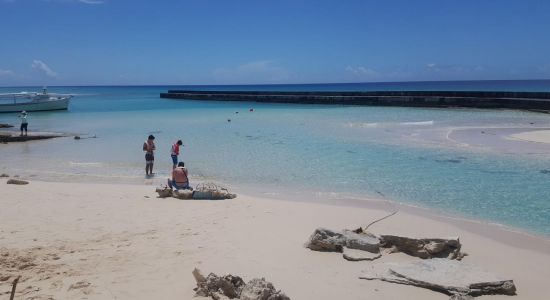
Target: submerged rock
(444, 275)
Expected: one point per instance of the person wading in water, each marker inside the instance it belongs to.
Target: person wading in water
(174, 152)
(149, 148)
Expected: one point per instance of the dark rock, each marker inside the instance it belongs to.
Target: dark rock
(17, 181)
(4, 175)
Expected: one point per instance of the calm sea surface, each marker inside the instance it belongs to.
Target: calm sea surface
(352, 151)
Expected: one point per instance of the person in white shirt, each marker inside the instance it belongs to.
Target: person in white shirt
(24, 122)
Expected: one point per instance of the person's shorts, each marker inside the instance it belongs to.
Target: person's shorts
(178, 186)
(24, 126)
(149, 158)
(175, 159)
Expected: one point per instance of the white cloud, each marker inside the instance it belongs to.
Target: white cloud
(93, 2)
(264, 71)
(6, 73)
(43, 67)
(454, 69)
(362, 71)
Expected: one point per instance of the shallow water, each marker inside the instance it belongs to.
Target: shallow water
(325, 149)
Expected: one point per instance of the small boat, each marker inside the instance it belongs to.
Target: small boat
(32, 101)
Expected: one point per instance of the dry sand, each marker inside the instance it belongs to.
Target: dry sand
(537, 136)
(93, 241)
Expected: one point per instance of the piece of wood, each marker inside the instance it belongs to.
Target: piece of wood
(13, 287)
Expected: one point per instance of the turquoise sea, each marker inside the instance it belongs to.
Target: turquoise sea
(308, 150)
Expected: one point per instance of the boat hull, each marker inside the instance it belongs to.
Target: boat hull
(59, 104)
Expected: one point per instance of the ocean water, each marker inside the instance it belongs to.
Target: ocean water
(309, 149)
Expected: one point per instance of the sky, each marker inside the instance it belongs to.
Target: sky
(133, 42)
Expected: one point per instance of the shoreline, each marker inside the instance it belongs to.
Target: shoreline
(113, 240)
(492, 230)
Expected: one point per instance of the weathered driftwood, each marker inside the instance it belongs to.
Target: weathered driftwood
(359, 255)
(444, 275)
(424, 247)
(197, 195)
(324, 239)
(14, 287)
(2, 125)
(17, 181)
(234, 287)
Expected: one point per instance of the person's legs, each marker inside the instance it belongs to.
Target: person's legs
(149, 159)
(170, 183)
(174, 161)
(25, 127)
(21, 129)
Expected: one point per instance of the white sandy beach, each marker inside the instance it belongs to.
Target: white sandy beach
(97, 241)
(537, 136)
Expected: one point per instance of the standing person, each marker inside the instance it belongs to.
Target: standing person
(24, 122)
(149, 148)
(175, 152)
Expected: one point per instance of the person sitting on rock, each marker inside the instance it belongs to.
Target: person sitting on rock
(179, 177)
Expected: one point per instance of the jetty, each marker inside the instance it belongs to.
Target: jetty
(13, 136)
(535, 101)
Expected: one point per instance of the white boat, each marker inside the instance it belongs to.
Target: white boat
(31, 101)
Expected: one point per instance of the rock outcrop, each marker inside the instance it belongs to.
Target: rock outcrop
(459, 279)
(234, 287)
(17, 181)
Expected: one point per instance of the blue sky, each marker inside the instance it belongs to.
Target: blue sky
(118, 42)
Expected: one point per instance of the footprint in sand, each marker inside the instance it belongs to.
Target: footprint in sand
(81, 286)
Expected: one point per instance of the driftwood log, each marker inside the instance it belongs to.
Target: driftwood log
(324, 239)
(459, 279)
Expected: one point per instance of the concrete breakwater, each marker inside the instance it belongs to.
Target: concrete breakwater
(474, 99)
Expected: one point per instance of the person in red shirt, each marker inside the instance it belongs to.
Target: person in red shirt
(175, 152)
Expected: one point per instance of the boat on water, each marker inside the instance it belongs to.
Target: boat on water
(33, 101)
